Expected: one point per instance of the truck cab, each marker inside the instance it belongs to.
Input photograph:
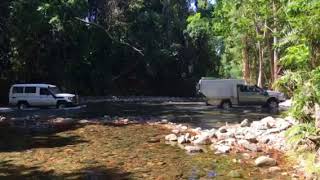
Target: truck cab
(228, 92)
(254, 95)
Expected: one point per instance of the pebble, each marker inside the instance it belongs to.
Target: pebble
(164, 121)
(193, 149)
(171, 137)
(153, 140)
(245, 123)
(182, 139)
(202, 140)
(220, 149)
(223, 129)
(274, 169)
(234, 174)
(176, 131)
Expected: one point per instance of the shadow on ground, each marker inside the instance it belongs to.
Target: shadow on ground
(12, 172)
(18, 139)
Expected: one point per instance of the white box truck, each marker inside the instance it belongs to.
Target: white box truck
(228, 92)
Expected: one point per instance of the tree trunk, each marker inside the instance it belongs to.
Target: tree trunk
(317, 116)
(275, 42)
(271, 54)
(315, 54)
(261, 54)
(245, 60)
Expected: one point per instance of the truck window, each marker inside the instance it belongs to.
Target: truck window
(30, 90)
(17, 90)
(44, 91)
(243, 88)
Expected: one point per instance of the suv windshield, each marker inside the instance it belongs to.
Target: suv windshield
(54, 90)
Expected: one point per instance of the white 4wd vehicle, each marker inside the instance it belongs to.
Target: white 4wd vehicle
(25, 95)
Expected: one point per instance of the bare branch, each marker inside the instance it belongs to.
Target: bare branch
(109, 35)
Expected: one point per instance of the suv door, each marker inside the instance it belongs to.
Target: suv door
(46, 98)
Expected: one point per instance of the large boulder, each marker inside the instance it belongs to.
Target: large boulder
(265, 161)
(264, 124)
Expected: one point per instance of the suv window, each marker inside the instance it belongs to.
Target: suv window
(30, 90)
(17, 90)
(44, 91)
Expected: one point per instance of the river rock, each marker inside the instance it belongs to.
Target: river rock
(220, 148)
(274, 169)
(182, 139)
(251, 137)
(265, 161)
(227, 142)
(175, 131)
(187, 136)
(171, 137)
(164, 121)
(245, 123)
(249, 146)
(246, 156)
(282, 124)
(196, 130)
(183, 128)
(2, 118)
(264, 124)
(221, 136)
(193, 149)
(202, 140)
(234, 174)
(107, 118)
(223, 129)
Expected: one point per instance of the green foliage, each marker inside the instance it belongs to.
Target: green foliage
(299, 132)
(296, 57)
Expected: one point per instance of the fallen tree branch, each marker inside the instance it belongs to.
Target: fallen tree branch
(109, 35)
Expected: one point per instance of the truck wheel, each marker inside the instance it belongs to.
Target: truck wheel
(22, 105)
(61, 105)
(226, 105)
(273, 104)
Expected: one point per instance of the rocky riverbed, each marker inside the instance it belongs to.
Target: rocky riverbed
(133, 148)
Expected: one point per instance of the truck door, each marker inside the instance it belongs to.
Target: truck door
(246, 95)
(250, 95)
(259, 97)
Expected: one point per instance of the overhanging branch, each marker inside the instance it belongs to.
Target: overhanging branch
(109, 35)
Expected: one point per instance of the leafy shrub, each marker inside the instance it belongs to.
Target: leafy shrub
(299, 132)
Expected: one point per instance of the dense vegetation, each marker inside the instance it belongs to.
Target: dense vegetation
(162, 47)
(99, 47)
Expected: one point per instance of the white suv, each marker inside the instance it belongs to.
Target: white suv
(25, 95)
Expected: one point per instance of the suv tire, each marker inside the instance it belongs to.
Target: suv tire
(61, 105)
(23, 105)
